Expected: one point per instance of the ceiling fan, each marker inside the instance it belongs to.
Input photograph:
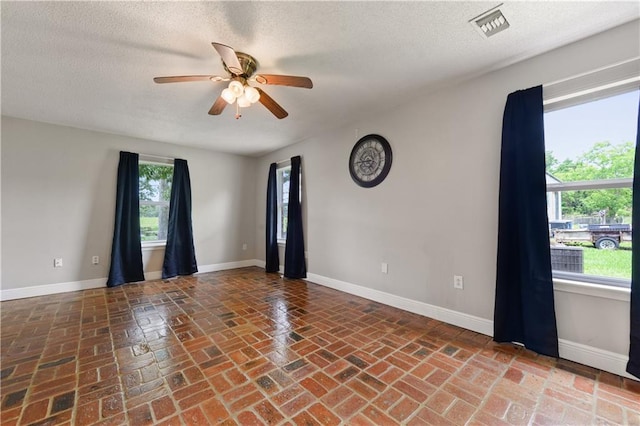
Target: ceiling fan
(241, 68)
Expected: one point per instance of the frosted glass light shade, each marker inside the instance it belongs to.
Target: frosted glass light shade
(251, 94)
(236, 88)
(228, 96)
(243, 102)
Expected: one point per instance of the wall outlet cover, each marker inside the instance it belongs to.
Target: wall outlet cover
(458, 282)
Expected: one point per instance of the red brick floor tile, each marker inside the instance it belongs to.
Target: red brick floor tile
(350, 406)
(305, 419)
(314, 387)
(297, 404)
(141, 415)
(246, 401)
(324, 415)
(460, 412)
(496, 406)
(427, 417)
(584, 385)
(163, 407)
(88, 414)
(245, 347)
(377, 416)
(214, 410)
(387, 399)
(403, 409)
(194, 416)
(171, 421)
(361, 420)
(337, 396)
(268, 412)
(35, 411)
(609, 411)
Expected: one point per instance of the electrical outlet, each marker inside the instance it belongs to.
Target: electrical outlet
(458, 282)
(57, 262)
(384, 268)
(244, 246)
(95, 260)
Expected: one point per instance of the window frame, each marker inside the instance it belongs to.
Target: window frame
(281, 166)
(158, 161)
(279, 182)
(605, 82)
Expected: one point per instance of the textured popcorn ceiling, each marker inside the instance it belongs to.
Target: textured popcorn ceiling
(90, 64)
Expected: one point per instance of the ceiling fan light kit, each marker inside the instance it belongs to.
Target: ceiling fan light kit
(241, 68)
(245, 95)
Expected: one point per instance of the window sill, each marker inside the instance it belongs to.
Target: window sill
(589, 289)
(282, 243)
(154, 245)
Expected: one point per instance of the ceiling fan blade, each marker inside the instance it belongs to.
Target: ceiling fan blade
(229, 57)
(284, 80)
(218, 106)
(271, 105)
(185, 78)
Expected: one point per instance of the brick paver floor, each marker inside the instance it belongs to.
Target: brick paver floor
(246, 347)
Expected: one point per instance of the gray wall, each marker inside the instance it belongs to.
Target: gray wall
(58, 190)
(436, 213)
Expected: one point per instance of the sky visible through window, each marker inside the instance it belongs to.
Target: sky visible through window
(569, 132)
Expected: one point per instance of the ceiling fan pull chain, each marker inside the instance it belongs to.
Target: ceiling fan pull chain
(238, 115)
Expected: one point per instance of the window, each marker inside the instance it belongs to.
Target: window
(590, 148)
(155, 193)
(283, 175)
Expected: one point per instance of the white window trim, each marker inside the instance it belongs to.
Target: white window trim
(598, 84)
(584, 288)
(582, 185)
(590, 86)
(153, 245)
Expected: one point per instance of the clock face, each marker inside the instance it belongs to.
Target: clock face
(370, 161)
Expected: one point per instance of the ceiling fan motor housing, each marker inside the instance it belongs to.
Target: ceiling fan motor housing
(249, 65)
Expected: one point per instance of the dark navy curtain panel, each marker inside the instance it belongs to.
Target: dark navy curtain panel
(272, 263)
(524, 307)
(179, 254)
(126, 251)
(294, 263)
(633, 367)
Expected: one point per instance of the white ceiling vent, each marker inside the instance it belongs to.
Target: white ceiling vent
(490, 22)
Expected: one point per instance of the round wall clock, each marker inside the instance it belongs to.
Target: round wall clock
(370, 160)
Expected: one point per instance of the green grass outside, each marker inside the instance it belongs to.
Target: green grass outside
(149, 228)
(149, 222)
(608, 263)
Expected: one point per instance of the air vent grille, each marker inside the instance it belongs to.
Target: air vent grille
(491, 22)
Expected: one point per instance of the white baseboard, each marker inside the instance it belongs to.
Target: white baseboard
(55, 288)
(47, 289)
(588, 355)
(594, 357)
(229, 265)
(449, 316)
